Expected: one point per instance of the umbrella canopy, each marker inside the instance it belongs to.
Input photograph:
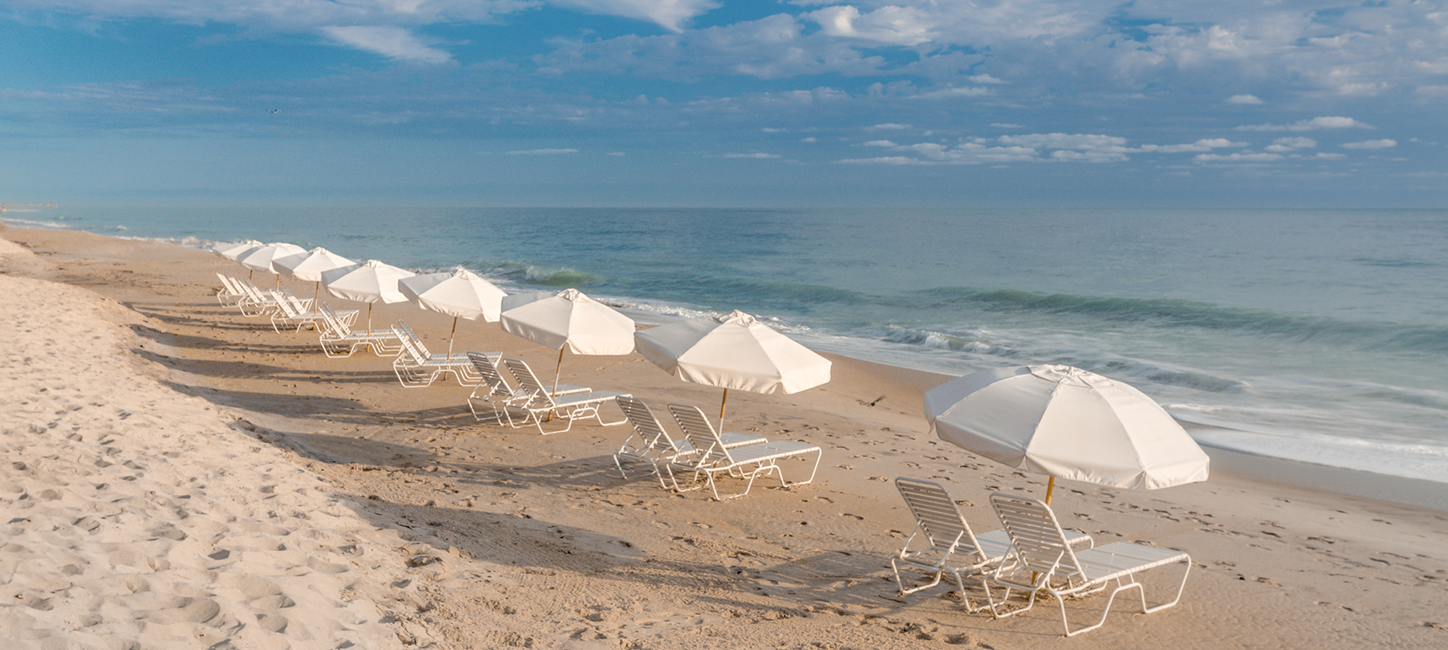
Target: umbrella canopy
(568, 320)
(1067, 423)
(459, 294)
(234, 250)
(733, 351)
(308, 265)
(261, 258)
(370, 281)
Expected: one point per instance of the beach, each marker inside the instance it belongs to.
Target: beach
(178, 475)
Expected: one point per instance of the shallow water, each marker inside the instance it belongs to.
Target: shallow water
(1312, 335)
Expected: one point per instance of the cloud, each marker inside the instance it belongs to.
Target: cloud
(755, 156)
(1205, 144)
(892, 25)
(1237, 157)
(1065, 141)
(1371, 144)
(392, 42)
(1243, 99)
(880, 143)
(946, 93)
(1310, 125)
(889, 126)
(541, 152)
(669, 14)
(1282, 145)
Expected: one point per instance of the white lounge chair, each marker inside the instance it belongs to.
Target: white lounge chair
(1041, 561)
(711, 457)
(292, 310)
(492, 394)
(416, 367)
(339, 340)
(231, 292)
(257, 302)
(650, 443)
(946, 543)
(539, 405)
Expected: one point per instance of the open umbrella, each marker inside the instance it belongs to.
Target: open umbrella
(307, 266)
(568, 320)
(459, 294)
(1066, 422)
(234, 250)
(733, 351)
(261, 258)
(370, 282)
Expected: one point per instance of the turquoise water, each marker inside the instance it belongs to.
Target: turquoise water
(1312, 335)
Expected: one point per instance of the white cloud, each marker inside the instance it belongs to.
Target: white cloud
(1205, 144)
(1282, 145)
(946, 93)
(1065, 141)
(669, 14)
(891, 24)
(1243, 99)
(1313, 124)
(1004, 125)
(1238, 157)
(809, 139)
(880, 143)
(542, 152)
(392, 42)
(1371, 144)
(756, 156)
(889, 126)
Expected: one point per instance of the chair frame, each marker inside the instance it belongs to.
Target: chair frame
(649, 442)
(418, 368)
(293, 310)
(538, 404)
(1039, 549)
(712, 457)
(230, 292)
(339, 335)
(948, 544)
(258, 302)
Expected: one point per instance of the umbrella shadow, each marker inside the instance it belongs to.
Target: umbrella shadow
(334, 409)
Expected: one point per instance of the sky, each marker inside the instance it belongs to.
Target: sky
(792, 103)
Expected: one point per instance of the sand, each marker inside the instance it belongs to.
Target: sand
(176, 475)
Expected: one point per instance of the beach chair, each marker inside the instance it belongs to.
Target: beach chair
(230, 292)
(538, 405)
(257, 301)
(1041, 561)
(339, 340)
(417, 368)
(942, 541)
(650, 443)
(292, 310)
(492, 395)
(712, 458)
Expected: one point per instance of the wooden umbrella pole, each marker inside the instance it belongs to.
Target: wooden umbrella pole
(453, 336)
(557, 371)
(723, 402)
(1050, 487)
(279, 282)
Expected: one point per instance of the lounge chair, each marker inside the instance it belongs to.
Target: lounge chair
(1041, 561)
(338, 339)
(292, 310)
(538, 405)
(946, 542)
(230, 292)
(257, 302)
(650, 443)
(711, 457)
(416, 367)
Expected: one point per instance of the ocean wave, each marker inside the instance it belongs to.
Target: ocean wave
(1189, 314)
(531, 274)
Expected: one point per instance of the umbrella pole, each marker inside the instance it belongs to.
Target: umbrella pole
(1050, 487)
(453, 336)
(279, 282)
(557, 372)
(723, 402)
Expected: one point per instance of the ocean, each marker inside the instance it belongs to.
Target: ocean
(1318, 336)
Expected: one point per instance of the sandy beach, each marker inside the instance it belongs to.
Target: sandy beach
(176, 475)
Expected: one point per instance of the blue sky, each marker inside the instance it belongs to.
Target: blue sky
(1219, 103)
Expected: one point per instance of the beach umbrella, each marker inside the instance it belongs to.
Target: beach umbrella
(234, 250)
(1068, 423)
(568, 320)
(261, 257)
(307, 266)
(370, 282)
(733, 351)
(459, 294)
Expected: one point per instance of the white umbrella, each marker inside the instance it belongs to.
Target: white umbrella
(261, 258)
(370, 282)
(1066, 422)
(234, 250)
(459, 294)
(733, 351)
(307, 266)
(568, 320)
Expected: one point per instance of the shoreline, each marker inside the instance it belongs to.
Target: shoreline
(1257, 466)
(515, 539)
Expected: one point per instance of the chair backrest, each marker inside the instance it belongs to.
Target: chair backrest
(647, 427)
(418, 349)
(228, 284)
(528, 382)
(1036, 537)
(334, 323)
(487, 366)
(409, 343)
(937, 515)
(700, 432)
(290, 307)
(251, 289)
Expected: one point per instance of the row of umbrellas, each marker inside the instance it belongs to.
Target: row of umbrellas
(1056, 420)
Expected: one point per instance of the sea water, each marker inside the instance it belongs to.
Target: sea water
(1319, 336)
